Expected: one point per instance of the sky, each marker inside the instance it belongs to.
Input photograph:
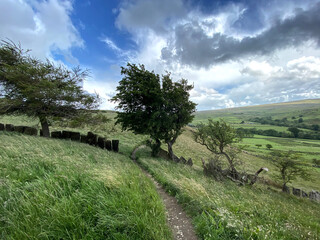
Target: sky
(235, 52)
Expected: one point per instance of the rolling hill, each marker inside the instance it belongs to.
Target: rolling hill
(62, 189)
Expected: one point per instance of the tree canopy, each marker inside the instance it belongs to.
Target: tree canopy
(153, 105)
(40, 89)
(289, 167)
(217, 137)
(295, 131)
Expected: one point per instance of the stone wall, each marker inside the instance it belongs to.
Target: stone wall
(313, 195)
(90, 138)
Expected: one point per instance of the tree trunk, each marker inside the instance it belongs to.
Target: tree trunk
(170, 150)
(255, 177)
(155, 147)
(44, 126)
(234, 172)
(285, 188)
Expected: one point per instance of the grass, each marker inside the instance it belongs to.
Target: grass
(309, 109)
(222, 210)
(55, 189)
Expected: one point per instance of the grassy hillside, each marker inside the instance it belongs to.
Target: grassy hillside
(220, 210)
(309, 109)
(57, 189)
(223, 210)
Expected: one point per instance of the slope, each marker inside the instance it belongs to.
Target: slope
(308, 109)
(56, 189)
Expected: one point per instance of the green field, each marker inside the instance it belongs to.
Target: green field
(308, 109)
(106, 196)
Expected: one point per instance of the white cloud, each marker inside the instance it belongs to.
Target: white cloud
(42, 26)
(260, 69)
(105, 90)
(305, 67)
(111, 44)
(251, 79)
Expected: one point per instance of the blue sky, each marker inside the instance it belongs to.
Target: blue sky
(237, 53)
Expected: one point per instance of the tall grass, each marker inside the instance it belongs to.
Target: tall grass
(223, 210)
(55, 189)
(220, 210)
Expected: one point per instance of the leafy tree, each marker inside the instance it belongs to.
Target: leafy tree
(259, 145)
(300, 120)
(289, 167)
(295, 131)
(269, 146)
(153, 106)
(40, 89)
(217, 137)
(176, 111)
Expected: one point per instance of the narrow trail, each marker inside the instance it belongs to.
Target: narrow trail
(177, 219)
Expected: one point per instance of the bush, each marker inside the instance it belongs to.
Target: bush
(269, 146)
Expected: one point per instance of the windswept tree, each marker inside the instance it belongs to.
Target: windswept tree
(217, 137)
(154, 106)
(289, 167)
(40, 89)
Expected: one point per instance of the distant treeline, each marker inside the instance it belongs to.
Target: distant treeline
(298, 123)
(249, 132)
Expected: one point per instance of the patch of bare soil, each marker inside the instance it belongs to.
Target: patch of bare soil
(178, 221)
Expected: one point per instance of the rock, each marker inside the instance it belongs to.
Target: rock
(30, 131)
(1, 127)
(83, 138)
(65, 134)
(9, 127)
(56, 134)
(19, 129)
(101, 142)
(314, 195)
(115, 145)
(304, 194)
(296, 192)
(75, 136)
(189, 162)
(183, 160)
(108, 145)
(92, 138)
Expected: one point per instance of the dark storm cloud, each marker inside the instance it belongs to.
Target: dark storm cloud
(192, 46)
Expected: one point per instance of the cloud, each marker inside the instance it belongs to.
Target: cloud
(191, 45)
(45, 27)
(111, 44)
(305, 67)
(260, 69)
(146, 14)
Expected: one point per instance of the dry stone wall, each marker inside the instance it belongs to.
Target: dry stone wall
(90, 138)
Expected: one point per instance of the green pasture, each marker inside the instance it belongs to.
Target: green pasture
(308, 109)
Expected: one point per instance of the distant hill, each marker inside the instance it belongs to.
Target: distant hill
(309, 110)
